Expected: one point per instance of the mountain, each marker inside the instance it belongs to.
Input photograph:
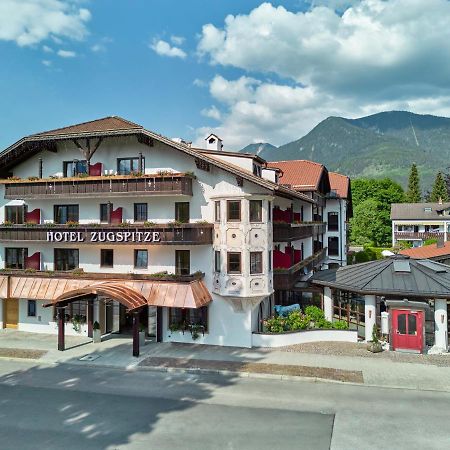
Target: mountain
(383, 144)
(258, 148)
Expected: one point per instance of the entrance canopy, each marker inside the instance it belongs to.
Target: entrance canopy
(133, 294)
(395, 276)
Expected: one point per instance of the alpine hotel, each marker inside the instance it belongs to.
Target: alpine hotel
(106, 224)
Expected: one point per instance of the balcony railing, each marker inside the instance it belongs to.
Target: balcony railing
(287, 232)
(285, 279)
(161, 234)
(419, 235)
(113, 186)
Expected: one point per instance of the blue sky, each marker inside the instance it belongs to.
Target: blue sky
(269, 72)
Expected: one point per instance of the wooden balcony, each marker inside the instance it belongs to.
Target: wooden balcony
(287, 232)
(104, 186)
(418, 235)
(285, 279)
(161, 234)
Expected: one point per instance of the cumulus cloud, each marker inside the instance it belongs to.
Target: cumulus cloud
(371, 55)
(28, 22)
(177, 40)
(212, 113)
(46, 62)
(66, 53)
(163, 48)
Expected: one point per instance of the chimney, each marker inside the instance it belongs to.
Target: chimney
(213, 142)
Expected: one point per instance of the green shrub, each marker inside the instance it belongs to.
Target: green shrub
(275, 324)
(340, 325)
(430, 241)
(296, 321)
(314, 313)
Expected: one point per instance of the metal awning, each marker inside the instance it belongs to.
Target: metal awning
(132, 294)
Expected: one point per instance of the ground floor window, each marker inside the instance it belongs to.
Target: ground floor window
(15, 258)
(106, 257)
(140, 259)
(31, 308)
(181, 318)
(66, 258)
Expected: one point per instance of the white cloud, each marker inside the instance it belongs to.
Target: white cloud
(177, 40)
(101, 46)
(163, 48)
(28, 22)
(200, 83)
(212, 113)
(47, 49)
(46, 62)
(66, 53)
(375, 55)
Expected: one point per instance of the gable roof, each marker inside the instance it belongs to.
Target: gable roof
(397, 275)
(111, 123)
(427, 251)
(117, 126)
(418, 211)
(340, 184)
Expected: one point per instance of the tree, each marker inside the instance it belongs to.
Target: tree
(439, 191)
(413, 194)
(371, 224)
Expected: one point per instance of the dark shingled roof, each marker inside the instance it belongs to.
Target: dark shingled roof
(394, 276)
(418, 211)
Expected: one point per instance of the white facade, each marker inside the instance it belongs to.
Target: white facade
(235, 294)
(336, 236)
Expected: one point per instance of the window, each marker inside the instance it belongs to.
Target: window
(234, 210)
(105, 209)
(15, 214)
(217, 211)
(333, 221)
(180, 318)
(74, 168)
(127, 166)
(106, 257)
(255, 210)
(182, 262)
(66, 258)
(140, 212)
(270, 260)
(31, 308)
(66, 213)
(256, 265)
(15, 258)
(234, 262)
(217, 261)
(256, 170)
(140, 259)
(333, 246)
(182, 212)
(269, 212)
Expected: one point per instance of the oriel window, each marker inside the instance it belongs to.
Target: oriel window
(234, 262)
(233, 210)
(256, 265)
(217, 262)
(255, 210)
(217, 211)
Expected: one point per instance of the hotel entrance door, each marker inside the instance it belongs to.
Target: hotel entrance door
(407, 328)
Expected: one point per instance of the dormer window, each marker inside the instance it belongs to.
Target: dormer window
(256, 169)
(211, 141)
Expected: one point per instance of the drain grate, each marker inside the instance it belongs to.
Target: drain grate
(89, 358)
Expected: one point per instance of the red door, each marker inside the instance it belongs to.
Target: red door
(407, 330)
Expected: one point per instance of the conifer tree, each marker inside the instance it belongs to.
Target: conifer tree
(413, 194)
(439, 191)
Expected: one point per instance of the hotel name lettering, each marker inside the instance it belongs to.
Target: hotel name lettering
(103, 236)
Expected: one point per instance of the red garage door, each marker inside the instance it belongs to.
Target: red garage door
(407, 327)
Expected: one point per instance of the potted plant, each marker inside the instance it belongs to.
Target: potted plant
(96, 333)
(141, 335)
(374, 345)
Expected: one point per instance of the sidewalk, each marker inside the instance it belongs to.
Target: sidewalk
(117, 352)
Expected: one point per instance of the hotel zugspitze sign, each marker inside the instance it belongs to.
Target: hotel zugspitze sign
(103, 236)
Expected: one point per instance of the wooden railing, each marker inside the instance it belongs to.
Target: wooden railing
(285, 279)
(98, 186)
(188, 234)
(287, 232)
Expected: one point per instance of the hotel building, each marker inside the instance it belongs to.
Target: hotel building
(108, 224)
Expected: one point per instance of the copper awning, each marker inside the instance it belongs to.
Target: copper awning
(132, 294)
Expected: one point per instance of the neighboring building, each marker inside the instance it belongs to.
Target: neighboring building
(417, 222)
(439, 252)
(118, 224)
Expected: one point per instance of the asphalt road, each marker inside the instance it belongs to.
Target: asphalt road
(76, 407)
